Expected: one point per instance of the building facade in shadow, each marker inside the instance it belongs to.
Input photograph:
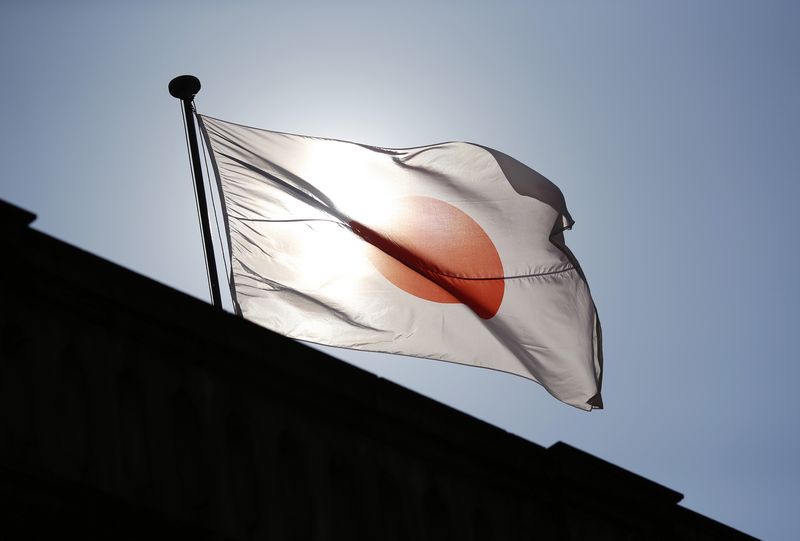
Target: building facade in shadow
(129, 410)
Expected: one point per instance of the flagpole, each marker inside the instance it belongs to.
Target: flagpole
(185, 87)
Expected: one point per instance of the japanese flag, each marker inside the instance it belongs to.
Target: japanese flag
(451, 251)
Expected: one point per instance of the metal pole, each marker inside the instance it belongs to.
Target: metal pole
(184, 87)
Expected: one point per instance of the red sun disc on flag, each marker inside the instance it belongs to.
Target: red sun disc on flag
(436, 252)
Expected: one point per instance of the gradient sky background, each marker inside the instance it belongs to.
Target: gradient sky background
(671, 127)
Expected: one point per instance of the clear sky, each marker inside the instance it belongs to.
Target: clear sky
(671, 127)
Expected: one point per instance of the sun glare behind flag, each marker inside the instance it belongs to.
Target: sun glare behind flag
(451, 251)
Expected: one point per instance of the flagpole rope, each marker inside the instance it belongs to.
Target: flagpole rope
(222, 204)
(213, 203)
(196, 203)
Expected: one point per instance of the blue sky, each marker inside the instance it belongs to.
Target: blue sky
(672, 128)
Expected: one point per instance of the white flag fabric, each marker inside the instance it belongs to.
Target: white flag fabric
(451, 251)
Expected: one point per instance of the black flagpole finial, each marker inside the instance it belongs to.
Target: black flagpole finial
(184, 87)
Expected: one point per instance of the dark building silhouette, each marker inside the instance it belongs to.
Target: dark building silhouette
(129, 410)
